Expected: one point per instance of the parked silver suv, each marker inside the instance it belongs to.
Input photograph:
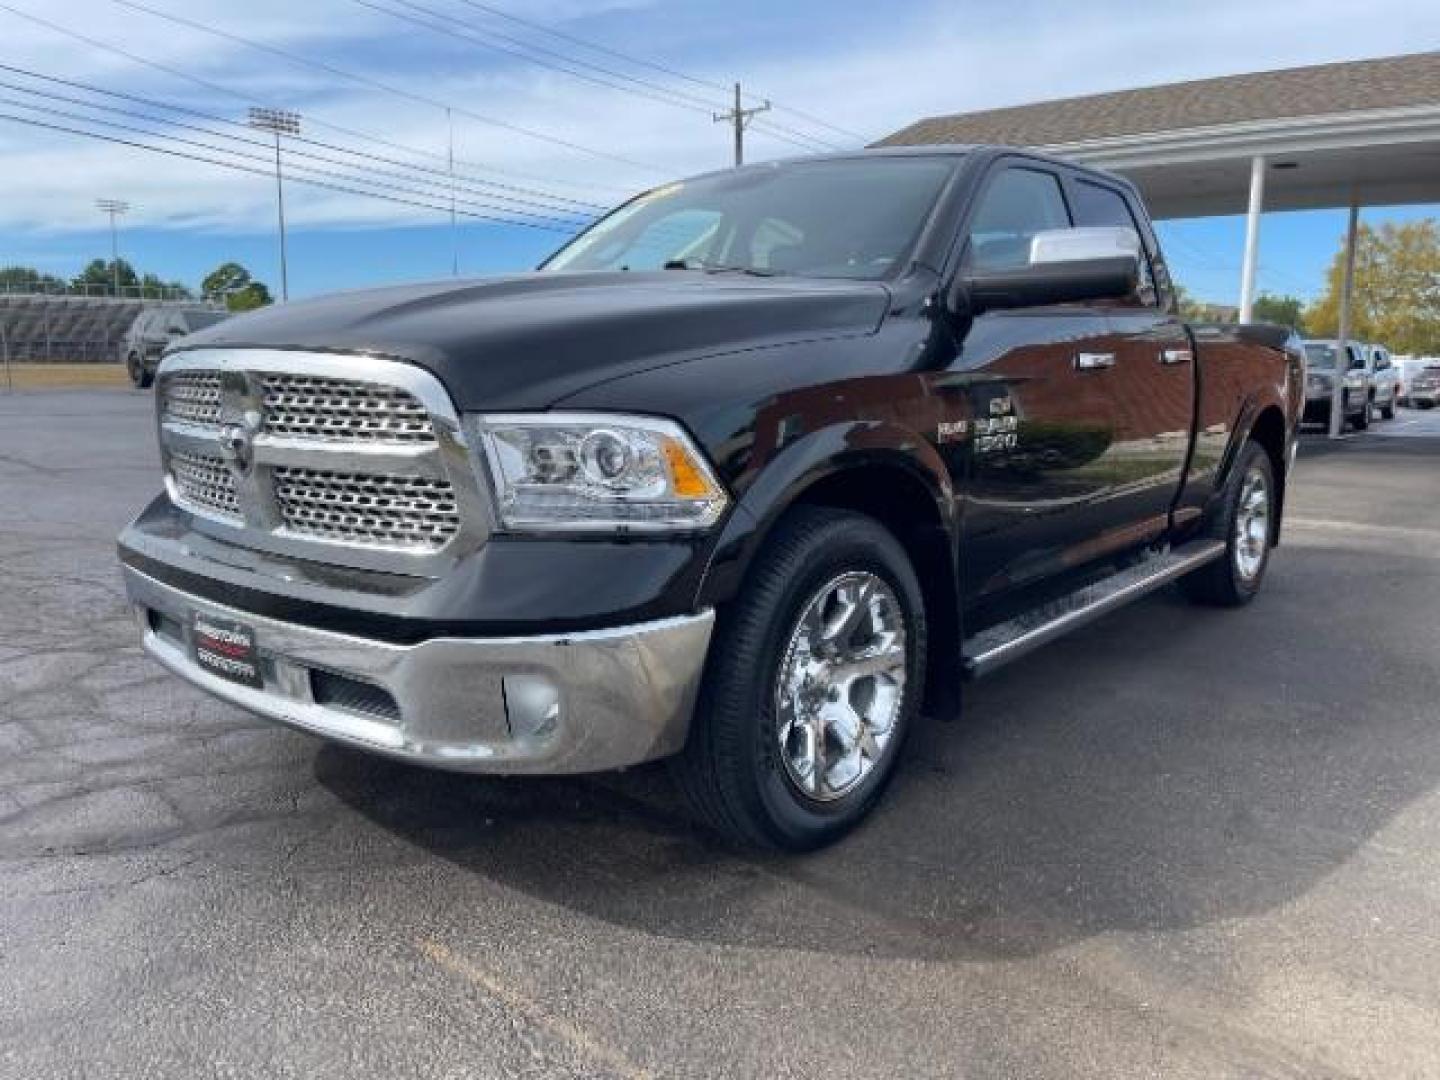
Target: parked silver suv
(1383, 378)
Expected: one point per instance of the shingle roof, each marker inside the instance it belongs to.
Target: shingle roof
(1309, 91)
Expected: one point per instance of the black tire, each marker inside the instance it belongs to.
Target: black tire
(1387, 412)
(139, 375)
(1225, 582)
(731, 769)
(1361, 420)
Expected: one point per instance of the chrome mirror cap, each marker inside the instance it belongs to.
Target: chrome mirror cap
(1052, 246)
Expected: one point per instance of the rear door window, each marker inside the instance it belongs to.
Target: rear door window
(1097, 206)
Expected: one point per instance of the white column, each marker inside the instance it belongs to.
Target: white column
(1347, 290)
(1252, 238)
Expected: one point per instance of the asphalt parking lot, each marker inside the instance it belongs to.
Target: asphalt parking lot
(1185, 843)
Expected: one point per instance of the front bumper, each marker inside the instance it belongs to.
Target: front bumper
(561, 703)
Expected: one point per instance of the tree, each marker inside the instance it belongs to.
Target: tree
(1280, 310)
(232, 283)
(29, 278)
(252, 296)
(1396, 297)
(152, 288)
(103, 272)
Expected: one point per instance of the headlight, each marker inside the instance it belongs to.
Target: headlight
(596, 472)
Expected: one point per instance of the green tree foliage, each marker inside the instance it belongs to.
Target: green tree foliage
(102, 272)
(1281, 310)
(252, 296)
(232, 283)
(1396, 298)
(29, 277)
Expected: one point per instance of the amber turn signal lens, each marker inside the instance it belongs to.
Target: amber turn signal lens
(687, 481)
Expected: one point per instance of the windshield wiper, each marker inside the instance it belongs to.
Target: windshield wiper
(717, 268)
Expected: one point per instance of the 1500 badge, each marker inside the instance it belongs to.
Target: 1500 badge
(993, 434)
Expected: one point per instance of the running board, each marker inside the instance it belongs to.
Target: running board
(997, 646)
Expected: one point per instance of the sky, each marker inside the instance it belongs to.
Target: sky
(539, 148)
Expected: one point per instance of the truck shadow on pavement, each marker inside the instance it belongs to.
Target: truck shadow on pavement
(1170, 768)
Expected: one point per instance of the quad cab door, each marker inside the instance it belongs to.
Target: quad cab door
(1075, 418)
(1152, 382)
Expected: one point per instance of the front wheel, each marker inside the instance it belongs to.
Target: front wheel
(1248, 526)
(139, 375)
(815, 677)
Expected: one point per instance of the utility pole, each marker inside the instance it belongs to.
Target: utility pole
(740, 117)
(114, 207)
(278, 122)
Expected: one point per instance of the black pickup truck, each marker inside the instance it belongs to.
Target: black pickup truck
(751, 473)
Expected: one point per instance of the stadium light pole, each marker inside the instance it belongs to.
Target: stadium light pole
(278, 122)
(114, 207)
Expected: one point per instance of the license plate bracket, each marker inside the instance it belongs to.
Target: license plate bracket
(226, 648)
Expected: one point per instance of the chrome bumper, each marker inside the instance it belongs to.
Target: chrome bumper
(565, 703)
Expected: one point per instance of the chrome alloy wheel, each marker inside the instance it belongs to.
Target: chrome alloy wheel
(841, 685)
(1252, 524)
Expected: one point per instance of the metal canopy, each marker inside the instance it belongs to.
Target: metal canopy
(1363, 133)
(1311, 163)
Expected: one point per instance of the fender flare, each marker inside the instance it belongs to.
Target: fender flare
(771, 487)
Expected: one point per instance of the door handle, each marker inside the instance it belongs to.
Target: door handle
(1094, 361)
(1174, 356)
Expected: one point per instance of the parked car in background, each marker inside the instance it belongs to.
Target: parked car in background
(1384, 379)
(1424, 390)
(1320, 365)
(1409, 367)
(156, 328)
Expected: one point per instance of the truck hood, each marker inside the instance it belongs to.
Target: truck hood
(526, 341)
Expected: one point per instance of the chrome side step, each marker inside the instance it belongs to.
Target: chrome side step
(1009, 640)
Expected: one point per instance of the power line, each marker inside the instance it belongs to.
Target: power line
(461, 30)
(652, 65)
(377, 84)
(248, 99)
(550, 211)
(265, 173)
(409, 189)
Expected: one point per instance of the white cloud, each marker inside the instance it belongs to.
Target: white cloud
(931, 58)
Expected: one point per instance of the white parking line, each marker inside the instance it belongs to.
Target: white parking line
(581, 1041)
(1397, 531)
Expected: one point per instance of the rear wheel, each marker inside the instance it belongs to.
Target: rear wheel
(814, 681)
(1248, 525)
(1387, 412)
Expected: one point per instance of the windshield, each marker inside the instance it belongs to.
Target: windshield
(831, 219)
(1321, 357)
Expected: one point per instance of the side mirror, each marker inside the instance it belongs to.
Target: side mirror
(1065, 266)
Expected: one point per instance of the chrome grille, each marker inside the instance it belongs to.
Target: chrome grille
(317, 407)
(368, 510)
(193, 397)
(296, 450)
(206, 483)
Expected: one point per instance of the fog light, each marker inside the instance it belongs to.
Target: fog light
(532, 706)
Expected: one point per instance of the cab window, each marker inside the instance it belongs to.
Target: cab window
(1018, 204)
(1100, 206)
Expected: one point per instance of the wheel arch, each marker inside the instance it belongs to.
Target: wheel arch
(1265, 424)
(881, 470)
